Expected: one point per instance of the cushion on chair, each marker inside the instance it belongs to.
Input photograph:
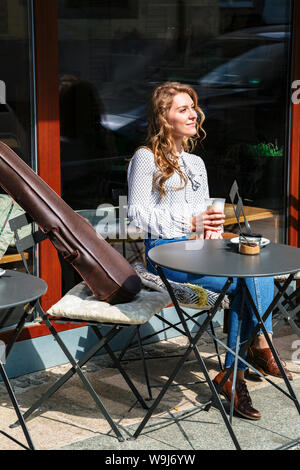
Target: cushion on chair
(80, 304)
(188, 295)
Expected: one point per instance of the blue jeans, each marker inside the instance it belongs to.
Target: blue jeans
(261, 289)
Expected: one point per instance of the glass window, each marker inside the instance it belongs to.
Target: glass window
(16, 104)
(235, 54)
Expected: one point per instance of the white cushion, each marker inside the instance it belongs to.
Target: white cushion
(80, 304)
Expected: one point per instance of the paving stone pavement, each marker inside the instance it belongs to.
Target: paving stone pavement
(69, 420)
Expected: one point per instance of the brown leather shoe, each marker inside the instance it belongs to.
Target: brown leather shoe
(242, 400)
(263, 360)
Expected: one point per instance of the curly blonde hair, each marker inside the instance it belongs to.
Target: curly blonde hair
(160, 139)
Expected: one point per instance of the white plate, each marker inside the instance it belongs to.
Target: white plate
(2, 271)
(264, 241)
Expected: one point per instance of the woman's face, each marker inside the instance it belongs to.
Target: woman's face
(182, 116)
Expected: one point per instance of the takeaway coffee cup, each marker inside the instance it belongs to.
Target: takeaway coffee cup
(216, 203)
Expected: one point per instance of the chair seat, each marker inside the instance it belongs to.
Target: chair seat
(80, 304)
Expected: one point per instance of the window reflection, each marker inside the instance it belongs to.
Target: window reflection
(15, 86)
(234, 53)
(85, 141)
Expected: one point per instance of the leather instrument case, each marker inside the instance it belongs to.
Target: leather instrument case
(107, 273)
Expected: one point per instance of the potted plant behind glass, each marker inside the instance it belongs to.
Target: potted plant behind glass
(271, 184)
(259, 170)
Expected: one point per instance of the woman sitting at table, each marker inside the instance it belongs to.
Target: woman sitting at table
(167, 191)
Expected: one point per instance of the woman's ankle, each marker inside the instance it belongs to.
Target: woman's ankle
(260, 341)
(240, 375)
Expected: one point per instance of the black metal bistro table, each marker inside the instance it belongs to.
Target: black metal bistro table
(221, 258)
(19, 292)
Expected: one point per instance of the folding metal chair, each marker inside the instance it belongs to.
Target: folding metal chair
(81, 307)
(287, 310)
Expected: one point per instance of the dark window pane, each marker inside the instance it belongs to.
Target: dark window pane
(15, 86)
(16, 107)
(234, 53)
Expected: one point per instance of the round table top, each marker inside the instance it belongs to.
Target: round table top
(17, 288)
(221, 258)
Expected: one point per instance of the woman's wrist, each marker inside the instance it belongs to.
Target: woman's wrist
(193, 224)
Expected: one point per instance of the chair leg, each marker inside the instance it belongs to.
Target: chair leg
(144, 364)
(128, 345)
(136, 332)
(76, 368)
(99, 403)
(216, 346)
(140, 341)
(121, 369)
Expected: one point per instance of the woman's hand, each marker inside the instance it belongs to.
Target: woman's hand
(209, 222)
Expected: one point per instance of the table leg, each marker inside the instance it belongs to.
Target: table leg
(192, 346)
(261, 325)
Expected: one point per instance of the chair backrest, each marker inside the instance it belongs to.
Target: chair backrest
(238, 206)
(70, 277)
(29, 241)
